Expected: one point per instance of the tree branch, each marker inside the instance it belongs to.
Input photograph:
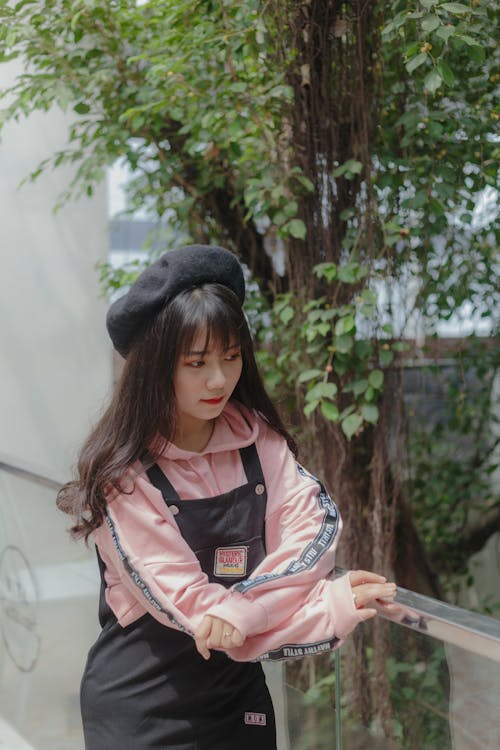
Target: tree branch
(475, 536)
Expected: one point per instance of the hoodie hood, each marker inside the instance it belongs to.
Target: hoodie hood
(235, 428)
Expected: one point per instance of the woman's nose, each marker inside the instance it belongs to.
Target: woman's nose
(216, 378)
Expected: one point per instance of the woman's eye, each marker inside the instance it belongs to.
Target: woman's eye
(233, 357)
(197, 364)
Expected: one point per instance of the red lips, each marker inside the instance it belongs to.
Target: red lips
(213, 400)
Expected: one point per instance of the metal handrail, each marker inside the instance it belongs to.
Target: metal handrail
(26, 472)
(469, 630)
(461, 627)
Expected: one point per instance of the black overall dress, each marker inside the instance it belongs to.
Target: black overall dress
(145, 686)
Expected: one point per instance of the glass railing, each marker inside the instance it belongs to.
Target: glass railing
(438, 685)
(48, 593)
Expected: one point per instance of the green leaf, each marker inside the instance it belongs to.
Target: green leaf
(354, 166)
(340, 366)
(326, 270)
(357, 387)
(81, 108)
(418, 201)
(351, 424)
(446, 73)
(370, 413)
(344, 343)
(369, 394)
(369, 296)
(305, 182)
(309, 375)
(363, 349)
(412, 49)
(416, 61)
(376, 379)
(469, 40)
(432, 81)
(330, 411)
(310, 407)
(351, 166)
(286, 314)
(430, 23)
(344, 325)
(350, 273)
(347, 214)
(296, 228)
(386, 357)
(456, 8)
(400, 346)
(477, 53)
(444, 32)
(321, 390)
(348, 410)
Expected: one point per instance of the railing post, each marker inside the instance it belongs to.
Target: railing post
(338, 721)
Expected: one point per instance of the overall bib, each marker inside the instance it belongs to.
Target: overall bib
(145, 686)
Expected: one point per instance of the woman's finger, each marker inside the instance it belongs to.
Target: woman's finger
(216, 633)
(367, 614)
(204, 628)
(356, 577)
(369, 592)
(201, 636)
(237, 638)
(214, 640)
(230, 636)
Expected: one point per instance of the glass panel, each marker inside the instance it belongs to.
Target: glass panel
(415, 710)
(48, 619)
(439, 696)
(310, 703)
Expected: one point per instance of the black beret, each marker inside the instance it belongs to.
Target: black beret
(175, 271)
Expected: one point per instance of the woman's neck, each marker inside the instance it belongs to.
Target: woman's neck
(194, 440)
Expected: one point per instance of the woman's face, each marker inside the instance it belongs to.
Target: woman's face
(204, 380)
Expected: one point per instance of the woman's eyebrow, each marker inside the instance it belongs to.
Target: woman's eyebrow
(203, 352)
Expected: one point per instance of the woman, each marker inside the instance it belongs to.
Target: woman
(216, 549)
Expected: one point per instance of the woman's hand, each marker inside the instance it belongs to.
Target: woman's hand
(216, 633)
(368, 587)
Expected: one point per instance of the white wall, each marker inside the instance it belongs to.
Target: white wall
(55, 373)
(55, 358)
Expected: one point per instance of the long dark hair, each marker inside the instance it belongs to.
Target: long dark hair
(141, 415)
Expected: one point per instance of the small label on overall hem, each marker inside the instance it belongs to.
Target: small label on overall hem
(230, 561)
(253, 718)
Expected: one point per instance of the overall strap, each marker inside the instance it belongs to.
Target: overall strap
(160, 481)
(249, 459)
(104, 612)
(251, 463)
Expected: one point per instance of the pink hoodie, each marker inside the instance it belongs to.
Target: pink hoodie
(290, 605)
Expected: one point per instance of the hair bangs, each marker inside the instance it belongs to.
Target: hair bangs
(204, 311)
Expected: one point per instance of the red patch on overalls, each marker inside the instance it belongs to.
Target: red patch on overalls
(257, 719)
(230, 561)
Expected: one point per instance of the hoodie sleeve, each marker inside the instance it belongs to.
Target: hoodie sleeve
(150, 568)
(302, 604)
(322, 622)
